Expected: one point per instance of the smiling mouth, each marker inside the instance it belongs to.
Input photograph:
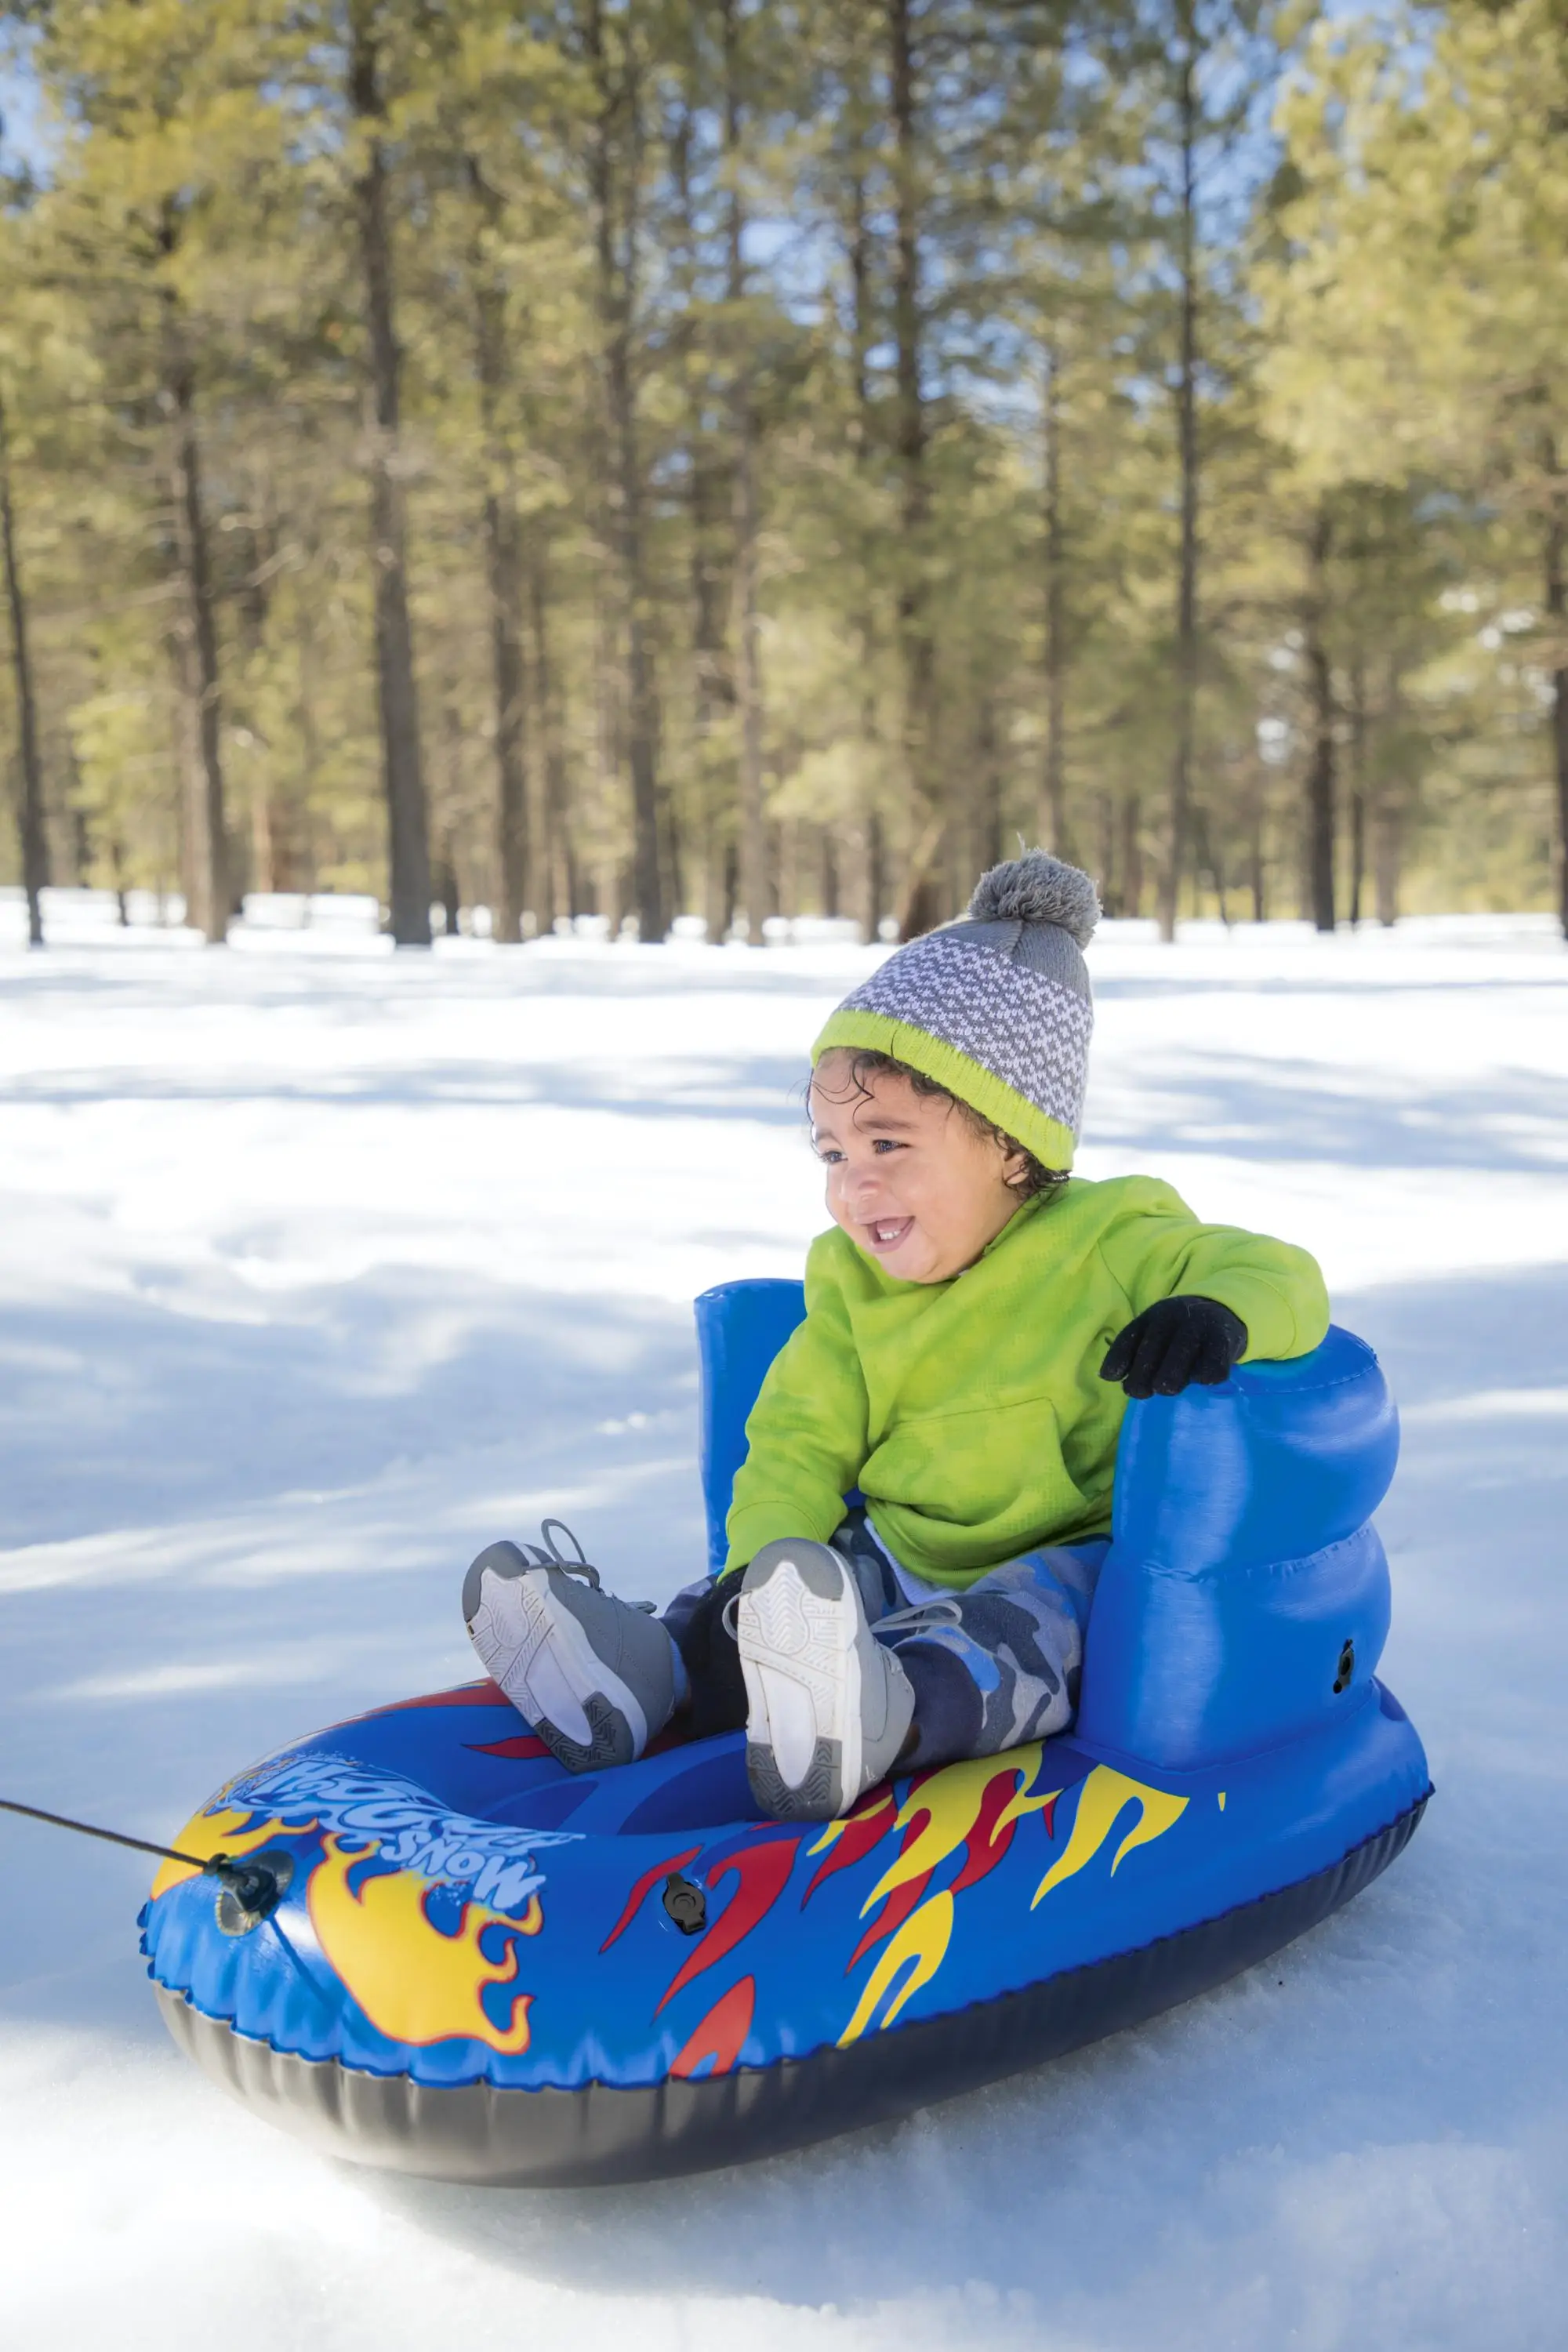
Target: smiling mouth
(886, 1233)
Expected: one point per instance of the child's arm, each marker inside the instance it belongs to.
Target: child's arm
(1160, 1250)
(806, 1433)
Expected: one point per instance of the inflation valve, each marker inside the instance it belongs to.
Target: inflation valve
(686, 1904)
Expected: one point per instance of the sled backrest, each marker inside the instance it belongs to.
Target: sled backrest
(741, 1327)
(1245, 1598)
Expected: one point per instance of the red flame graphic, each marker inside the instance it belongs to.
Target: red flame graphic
(721, 2032)
(762, 1870)
(483, 1694)
(896, 1907)
(520, 1749)
(649, 1878)
(981, 1855)
(870, 1820)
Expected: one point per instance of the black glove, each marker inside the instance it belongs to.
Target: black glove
(712, 1662)
(1173, 1343)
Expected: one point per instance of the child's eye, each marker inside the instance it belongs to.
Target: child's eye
(886, 1143)
(828, 1156)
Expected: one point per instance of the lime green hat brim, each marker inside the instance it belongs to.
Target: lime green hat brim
(877, 1032)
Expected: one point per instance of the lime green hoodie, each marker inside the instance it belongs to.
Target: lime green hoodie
(971, 1414)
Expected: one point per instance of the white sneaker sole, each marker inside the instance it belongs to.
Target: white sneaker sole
(542, 1659)
(801, 1663)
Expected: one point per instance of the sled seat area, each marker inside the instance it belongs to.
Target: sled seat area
(1245, 1599)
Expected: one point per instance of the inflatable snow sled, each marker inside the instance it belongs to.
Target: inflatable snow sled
(470, 1963)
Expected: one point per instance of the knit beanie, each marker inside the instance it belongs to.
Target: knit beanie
(995, 1007)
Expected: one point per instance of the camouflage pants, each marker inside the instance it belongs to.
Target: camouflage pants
(992, 1666)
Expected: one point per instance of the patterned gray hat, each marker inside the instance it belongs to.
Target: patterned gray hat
(995, 1007)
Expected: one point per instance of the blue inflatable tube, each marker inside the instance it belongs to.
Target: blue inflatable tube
(482, 1968)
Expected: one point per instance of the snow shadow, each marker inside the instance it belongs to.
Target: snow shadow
(121, 1409)
(1381, 2084)
(750, 1086)
(1250, 1108)
(340, 988)
(1386, 982)
(1255, 1109)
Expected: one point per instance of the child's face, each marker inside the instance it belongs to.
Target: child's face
(912, 1182)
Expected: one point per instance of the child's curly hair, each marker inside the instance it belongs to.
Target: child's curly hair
(1037, 1179)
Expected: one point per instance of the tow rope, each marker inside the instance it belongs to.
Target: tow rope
(255, 1885)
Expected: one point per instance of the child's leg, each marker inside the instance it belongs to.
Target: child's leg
(998, 1663)
(596, 1676)
(828, 1705)
(700, 1621)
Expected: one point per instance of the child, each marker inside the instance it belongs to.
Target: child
(975, 1321)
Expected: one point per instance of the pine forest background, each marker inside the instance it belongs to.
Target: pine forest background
(739, 458)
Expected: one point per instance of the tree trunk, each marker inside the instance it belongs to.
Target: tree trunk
(303, 867)
(742, 411)
(1388, 815)
(609, 707)
(829, 873)
(1257, 872)
(1320, 769)
(1358, 786)
(873, 904)
(445, 879)
(874, 858)
(712, 687)
(1557, 567)
(402, 764)
(917, 899)
(1387, 856)
(1187, 445)
(987, 845)
(504, 579)
(616, 276)
(1209, 860)
(557, 888)
(31, 810)
(1131, 855)
(1053, 782)
(208, 906)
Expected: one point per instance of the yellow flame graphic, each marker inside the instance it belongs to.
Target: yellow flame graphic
(221, 1832)
(414, 1983)
(1025, 1798)
(952, 1801)
(1101, 1800)
(923, 1938)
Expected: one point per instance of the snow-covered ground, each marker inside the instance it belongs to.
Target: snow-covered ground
(320, 1267)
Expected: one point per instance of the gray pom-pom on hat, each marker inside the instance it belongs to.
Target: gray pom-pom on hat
(1038, 889)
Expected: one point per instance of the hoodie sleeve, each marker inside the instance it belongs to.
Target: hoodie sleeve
(806, 1436)
(1160, 1250)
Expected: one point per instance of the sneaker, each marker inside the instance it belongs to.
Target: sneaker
(595, 1676)
(828, 1707)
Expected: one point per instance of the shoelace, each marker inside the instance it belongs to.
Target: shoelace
(920, 1613)
(940, 1605)
(576, 1562)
